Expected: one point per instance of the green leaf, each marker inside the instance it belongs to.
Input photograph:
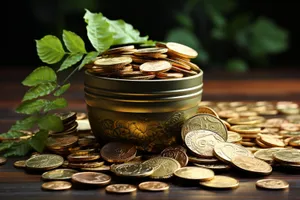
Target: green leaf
(51, 122)
(5, 145)
(25, 124)
(38, 141)
(11, 134)
(40, 75)
(50, 49)
(88, 58)
(71, 60)
(55, 104)
(188, 38)
(62, 89)
(40, 90)
(267, 37)
(18, 149)
(32, 106)
(237, 65)
(98, 31)
(124, 33)
(73, 42)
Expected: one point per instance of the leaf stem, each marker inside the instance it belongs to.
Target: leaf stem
(67, 78)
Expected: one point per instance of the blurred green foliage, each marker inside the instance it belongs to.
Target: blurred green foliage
(226, 37)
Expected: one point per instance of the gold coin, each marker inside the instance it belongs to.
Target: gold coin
(154, 186)
(271, 141)
(247, 114)
(215, 167)
(252, 165)
(120, 188)
(266, 154)
(226, 124)
(261, 144)
(221, 182)
(97, 169)
(295, 141)
(207, 110)
(56, 185)
(86, 165)
(184, 71)
(203, 160)
(178, 64)
(150, 50)
(245, 129)
(119, 49)
(61, 141)
(234, 137)
(228, 114)
(202, 142)
(181, 50)
(272, 184)
(2, 160)
(162, 75)
(92, 178)
(122, 60)
(67, 116)
(291, 156)
(195, 173)
(74, 157)
(118, 152)
(59, 174)
(204, 122)
(133, 170)
(163, 167)
(226, 151)
(177, 154)
(155, 66)
(20, 164)
(247, 143)
(246, 120)
(193, 66)
(81, 116)
(44, 162)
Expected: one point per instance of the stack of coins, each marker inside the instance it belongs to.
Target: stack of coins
(69, 122)
(213, 140)
(165, 61)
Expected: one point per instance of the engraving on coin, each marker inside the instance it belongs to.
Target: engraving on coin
(164, 167)
(44, 161)
(253, 165)
(118, 152)
(195, 173)
(204, 122)
(289, 156)
(61, 141)
(153, 186)
(56, 185)
(93, 178)
(178, 155)
(266, 154)
(133, 170)
(202, 142)
(120, 188)
(273, 184)
(59, 174)
(156, 66)
(221, 182)
(226, 151)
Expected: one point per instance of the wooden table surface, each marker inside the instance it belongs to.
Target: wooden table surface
(256, 86)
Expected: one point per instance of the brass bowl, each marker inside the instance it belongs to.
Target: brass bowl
(148, 113)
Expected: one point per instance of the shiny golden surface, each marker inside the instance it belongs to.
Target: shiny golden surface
(177, 154)
(44, 162)
(195, 173)
(155, 66)
(59, 174)
(291, 156)
(252, 165)
(272, 141)
(204, 122)
(246, 120)
(266, 154)
(61, 141)
(154, 186)
(133, 170)
(120, 188)
(207, 110)
(272, 184)
(226, 151)
(221, 182)
(163, 167)
(245, 129)
(20, 164)
(2, 160)
(93, 178)
(234, 137)
(97, 169)
(118, 152)
(113, 61)
(215, 167)
(202, 142)
(181, 50)
(83, 157)
(56, 185)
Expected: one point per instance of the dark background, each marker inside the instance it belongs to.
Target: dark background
(24, 21)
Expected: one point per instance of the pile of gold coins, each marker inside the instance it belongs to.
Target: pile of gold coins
(252, 138)
(165, 61)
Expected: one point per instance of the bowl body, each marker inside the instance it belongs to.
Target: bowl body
(148, 113)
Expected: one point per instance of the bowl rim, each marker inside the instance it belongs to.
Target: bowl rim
(200, 74)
